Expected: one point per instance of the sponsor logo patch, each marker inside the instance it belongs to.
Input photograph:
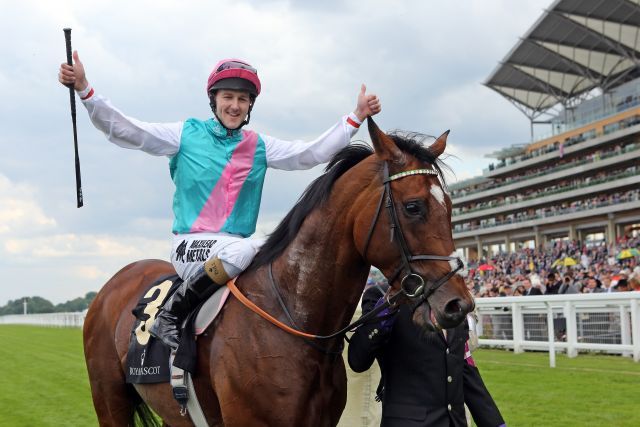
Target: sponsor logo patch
(198, 251)
(146, 370)
(180, 251)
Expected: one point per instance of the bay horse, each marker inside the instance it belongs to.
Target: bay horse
(371, 207)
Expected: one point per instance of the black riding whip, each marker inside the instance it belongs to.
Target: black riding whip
(72, 99)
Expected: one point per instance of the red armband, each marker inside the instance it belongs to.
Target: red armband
(89, 95)
(352, 122)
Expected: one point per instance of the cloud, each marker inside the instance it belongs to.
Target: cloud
(19, 209)
(36, 251)
(474, 127)
(84, 246)
(90, 272)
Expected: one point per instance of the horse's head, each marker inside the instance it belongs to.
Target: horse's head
(405, 230)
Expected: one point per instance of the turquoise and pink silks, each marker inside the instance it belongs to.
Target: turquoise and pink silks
(218, 179)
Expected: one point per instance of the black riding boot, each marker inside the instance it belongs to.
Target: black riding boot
(196, 288)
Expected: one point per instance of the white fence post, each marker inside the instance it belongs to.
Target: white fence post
(635, 328)
(551, 337)
(625, 327)
(572, 329)
(518, 328)
(479, 327)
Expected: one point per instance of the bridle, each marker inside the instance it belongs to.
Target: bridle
(412, 285)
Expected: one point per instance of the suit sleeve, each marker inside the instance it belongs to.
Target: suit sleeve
(483, 409)
(368, 340)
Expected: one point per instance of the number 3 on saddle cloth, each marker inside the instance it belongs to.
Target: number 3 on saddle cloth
(147, 357)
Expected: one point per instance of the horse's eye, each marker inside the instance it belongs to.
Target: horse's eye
(413, 208)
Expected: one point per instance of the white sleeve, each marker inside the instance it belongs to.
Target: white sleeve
(295, 155)
(159, 139)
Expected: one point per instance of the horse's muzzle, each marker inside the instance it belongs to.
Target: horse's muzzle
(430, 320)
(454, 312)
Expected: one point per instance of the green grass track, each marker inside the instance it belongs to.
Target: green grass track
(44, 378)
(44, 383)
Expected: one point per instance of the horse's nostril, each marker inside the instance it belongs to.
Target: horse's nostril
(453, 308)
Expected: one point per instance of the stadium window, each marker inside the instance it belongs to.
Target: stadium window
(594, 239)
(612, 127)
(557, 239)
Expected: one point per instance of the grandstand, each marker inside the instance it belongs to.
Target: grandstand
(577, 73)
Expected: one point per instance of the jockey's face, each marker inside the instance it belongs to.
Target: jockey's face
(232, 107)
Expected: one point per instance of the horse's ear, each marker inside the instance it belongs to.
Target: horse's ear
(384, 146)
(437, 148)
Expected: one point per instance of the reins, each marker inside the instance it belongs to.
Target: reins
(253, 307)
(417, 291)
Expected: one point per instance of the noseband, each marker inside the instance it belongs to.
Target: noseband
(412, 284)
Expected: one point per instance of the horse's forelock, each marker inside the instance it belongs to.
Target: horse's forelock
(416, 144)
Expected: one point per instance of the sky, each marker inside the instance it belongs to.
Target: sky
(425, 59)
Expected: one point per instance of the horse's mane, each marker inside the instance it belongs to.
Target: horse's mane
(317, 192)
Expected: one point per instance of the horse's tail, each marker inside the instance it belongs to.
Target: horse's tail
(143, 416)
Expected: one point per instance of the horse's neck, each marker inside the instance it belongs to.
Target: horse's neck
(321, 272)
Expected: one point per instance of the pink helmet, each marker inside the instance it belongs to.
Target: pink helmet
(234, 74)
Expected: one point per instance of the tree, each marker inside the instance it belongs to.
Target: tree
(34, 305)
(77, 304)
(41, 305)
(12, 307)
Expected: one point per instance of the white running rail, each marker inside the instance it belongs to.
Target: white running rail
(72, 320)
(606, 322)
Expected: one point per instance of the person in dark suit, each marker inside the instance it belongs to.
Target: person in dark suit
(530, 289)
(552, 283)
(567, 287)
(426, 378)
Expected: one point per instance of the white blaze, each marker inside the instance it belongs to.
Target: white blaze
(453, 264)
(438, 194)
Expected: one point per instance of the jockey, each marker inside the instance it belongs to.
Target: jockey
(218, 170)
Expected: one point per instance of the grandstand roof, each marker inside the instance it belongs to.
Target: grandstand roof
(574, 47)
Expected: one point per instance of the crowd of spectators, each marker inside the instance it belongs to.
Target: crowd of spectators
(546, 271)
(558, 165)
(599, 200)
(560, 146)
(557, 186)
(563, 267)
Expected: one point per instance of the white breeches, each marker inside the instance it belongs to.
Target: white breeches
(190, 251)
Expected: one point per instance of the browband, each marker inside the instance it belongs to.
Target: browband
(411, 172)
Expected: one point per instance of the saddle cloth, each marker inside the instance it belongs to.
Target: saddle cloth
(148, 358)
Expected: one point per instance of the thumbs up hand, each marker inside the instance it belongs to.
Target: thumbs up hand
(73, 74)
(368, 104)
